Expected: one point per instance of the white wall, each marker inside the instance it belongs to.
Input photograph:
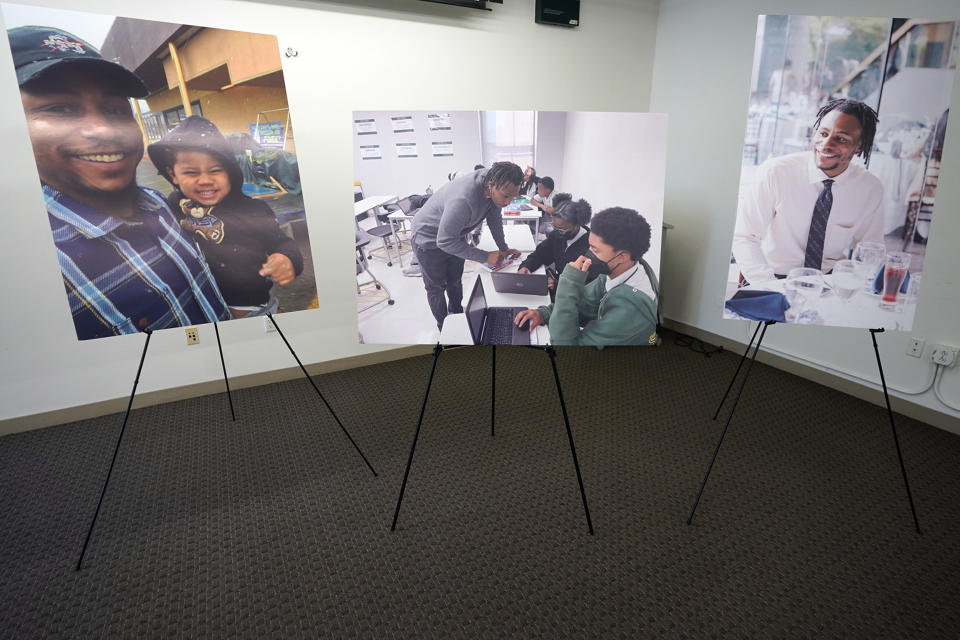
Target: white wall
(370, 54)
(551, 131)
(701, 77)
(404, 176)
(617, 160)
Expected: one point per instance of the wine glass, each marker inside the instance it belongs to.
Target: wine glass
(847, 280)
(803, 288)
(869, 255)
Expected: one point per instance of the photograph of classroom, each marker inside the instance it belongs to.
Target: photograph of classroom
(183, 206)
(846, 125)
(464, 215)
(212, 485)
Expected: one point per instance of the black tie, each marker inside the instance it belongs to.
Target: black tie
(813, 258)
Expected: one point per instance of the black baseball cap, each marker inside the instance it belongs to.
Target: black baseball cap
(36, 50)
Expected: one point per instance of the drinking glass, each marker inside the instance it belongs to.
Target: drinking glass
(913, 289)
(894, 271)
(870, 255)
(803, 289)
(847, 280)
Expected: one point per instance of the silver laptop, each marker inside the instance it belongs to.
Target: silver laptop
(534, 284)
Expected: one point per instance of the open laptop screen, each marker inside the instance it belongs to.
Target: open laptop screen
(476, 306)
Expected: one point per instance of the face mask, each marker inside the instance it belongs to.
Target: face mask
(598, 260)
(569, 234)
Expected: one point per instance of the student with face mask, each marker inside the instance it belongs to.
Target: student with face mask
(614, 309)
(568, 241)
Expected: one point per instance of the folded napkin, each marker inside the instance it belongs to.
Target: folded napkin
(759, 305)
(878, 282)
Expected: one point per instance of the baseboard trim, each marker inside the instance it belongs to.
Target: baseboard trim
(115, 405)
(814, 374)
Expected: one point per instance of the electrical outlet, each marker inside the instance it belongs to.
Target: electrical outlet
(915, 347)
(193, 336)
(268, 325)
(944, 355)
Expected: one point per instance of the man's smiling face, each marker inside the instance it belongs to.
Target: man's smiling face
(85, 138)
(836, 142)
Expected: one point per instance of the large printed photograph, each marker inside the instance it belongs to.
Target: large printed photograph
(168, 167)
(508, 227)
(841, 162)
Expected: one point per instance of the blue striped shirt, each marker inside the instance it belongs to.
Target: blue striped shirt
(125, 276)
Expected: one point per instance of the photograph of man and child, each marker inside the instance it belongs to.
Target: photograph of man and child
(194, 248)
(589, 245)
(845, 132)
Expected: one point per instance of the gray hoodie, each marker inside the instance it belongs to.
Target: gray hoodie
(455, 210)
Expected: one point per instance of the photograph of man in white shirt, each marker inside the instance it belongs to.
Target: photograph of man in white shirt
(811, 208)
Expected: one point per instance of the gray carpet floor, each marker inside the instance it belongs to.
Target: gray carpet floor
(272, 526)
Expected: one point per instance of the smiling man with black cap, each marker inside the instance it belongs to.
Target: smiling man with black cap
(126, 265)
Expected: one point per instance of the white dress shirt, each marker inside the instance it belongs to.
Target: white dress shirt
(774, 215)
(635, 277)
(545, 200)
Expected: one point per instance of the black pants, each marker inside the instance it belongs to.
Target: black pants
(442, 273)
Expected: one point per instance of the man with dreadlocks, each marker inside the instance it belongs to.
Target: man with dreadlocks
(807, 209)
(442, 225)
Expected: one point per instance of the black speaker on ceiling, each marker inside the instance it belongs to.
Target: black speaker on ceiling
(563, 13)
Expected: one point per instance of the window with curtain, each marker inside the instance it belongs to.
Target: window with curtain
(508, 136)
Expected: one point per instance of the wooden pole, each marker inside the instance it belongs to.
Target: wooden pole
(184, 98)
(143, 128)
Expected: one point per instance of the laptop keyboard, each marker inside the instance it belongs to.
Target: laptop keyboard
(499, 327)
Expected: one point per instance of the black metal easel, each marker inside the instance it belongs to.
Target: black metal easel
(893, 428)
(416, 434)
(743, 383)
(126, 416)
(224, 366)
(116, 448)
(317, 389)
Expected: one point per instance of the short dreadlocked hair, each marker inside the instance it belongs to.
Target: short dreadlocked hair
(623, 229)
(503, 173)
(864, 114)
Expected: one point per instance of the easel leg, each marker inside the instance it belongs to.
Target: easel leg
(743, 383)
(116, 448)
(493, 388)
(224, 365)
(573, 450)
(737, 372)
(893, 428)
(416, 434)
(315, 388)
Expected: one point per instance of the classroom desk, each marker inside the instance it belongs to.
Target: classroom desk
(371, 202)
(455, 329)
(533, 215)
(518, 236)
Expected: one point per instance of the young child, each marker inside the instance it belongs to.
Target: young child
(239, 236)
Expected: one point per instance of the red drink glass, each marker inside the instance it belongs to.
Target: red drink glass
(894, 272)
